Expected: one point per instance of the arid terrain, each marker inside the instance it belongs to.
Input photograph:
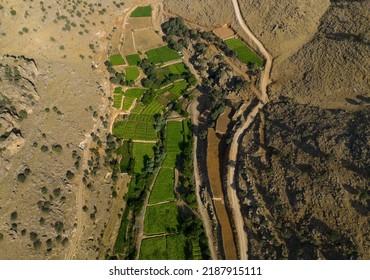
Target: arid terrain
(274, 165)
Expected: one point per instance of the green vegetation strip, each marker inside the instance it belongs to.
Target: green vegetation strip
(162, 54)
(244, 53)
(161, 218)
(133, 59)
(163, 186)
(117, 59)
(142, 12)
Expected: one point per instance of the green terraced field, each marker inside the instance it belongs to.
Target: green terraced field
(117, 101)
(176, 246)
(162, 54)
(118, 90)
(142, 12)
(173, 143)
(161, 218)
(133, 59)
(130, 96)
(153, 108)
(135, 130)
(117, 59)
(153, 249)
(244, 53)
(177, 89)
(178, 68)
(142, 152)
(163, 186)
(132, 73)
(171, 247)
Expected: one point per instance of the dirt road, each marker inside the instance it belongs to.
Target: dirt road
(265, 77)
(265, 81)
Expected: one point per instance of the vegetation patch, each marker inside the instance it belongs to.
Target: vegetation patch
(142, 12)
(161, 218)
(153, 249)
(117, 101)
(244, 53)
(116, 59)
(174, 143)
(176, 246)
(132, 73)
(142, 153)
(163, 186)
(127, 159)
(133, 59)
(162, 54)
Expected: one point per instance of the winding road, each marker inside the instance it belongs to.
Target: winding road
(231, 189)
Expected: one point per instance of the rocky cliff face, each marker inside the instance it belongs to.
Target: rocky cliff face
(18, 96)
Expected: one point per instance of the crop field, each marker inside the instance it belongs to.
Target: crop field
(142, 12)
(142, 153)
(130, 96)
(133, 59)
(117, 101)
(173, 143)
(132, 73)
(178, 68)
(162, 54)
(171, 247)
(153, 108)
(127, 103)
(147, 39)
(176, 246)
(197, 253)
(176, 90)
(244, 53)
(117, 59)
(163, 186)
(161, 218)
(153, 249)
(118, 90)
(135, 130)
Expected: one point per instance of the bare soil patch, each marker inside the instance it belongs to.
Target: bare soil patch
(224, 32)
(147, 39)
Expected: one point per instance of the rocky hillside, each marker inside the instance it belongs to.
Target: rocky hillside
(304, 186)
(18, 95)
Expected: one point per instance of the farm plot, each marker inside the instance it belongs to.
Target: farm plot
(173, 143)
(163, 186)
(176, 90)
(134, 130)
(132, 73)
(171, 247)
(176, 246)
(142, 153)
(244, 53)
(153, 249)
(178, 68)
(153, 108)
(117, 59)
(142, 12)
(147, 39)
(117, 101)
(118, 90)
(161, 218)
(130, 96)
(133, 59)
(162, 54)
